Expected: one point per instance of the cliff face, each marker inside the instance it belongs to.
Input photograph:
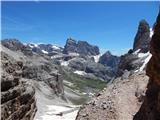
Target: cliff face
(142, 37)
(150, 109)
(17, 94)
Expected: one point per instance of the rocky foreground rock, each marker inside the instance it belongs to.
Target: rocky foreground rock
(150, 109)
(17, 94)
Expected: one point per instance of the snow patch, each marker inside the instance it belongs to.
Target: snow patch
(64, 63)
(30, 45)
(145, 62)
(151, 32)
(141, 55)
(80, 72)
(55, 47)
(45, 52)
(96, 58)
(136, 52)
(74, 54)
(35, 45)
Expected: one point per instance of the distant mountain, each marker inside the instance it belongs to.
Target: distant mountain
(82, 47)
(45, 49)
(109, 60)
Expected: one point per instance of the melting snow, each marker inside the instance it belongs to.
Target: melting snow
(45, 52)
(80, 72)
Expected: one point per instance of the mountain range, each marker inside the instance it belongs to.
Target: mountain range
(35, 76)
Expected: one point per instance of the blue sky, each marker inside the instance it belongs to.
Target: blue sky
(109, 25)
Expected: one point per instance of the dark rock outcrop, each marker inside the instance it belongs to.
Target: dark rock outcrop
(129, 62)
(142, 37)
(71, 46)
(150, 109)
(17, 94)
(82, 48)
(109, 60)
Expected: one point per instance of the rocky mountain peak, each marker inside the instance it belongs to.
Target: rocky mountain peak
(143, 26)
(142, 38)
(109, 60)
(80, 47)
(70, 46)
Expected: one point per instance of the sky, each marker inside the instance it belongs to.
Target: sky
(109, 25)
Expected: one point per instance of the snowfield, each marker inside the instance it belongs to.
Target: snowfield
(64, 63)
(80, 72)
(45, 52)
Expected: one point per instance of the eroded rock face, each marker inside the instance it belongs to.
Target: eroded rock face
(17, 94)
(142, 37)
(150, 109)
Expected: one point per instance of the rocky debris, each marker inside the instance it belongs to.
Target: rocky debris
(150, 109)
(109, 60)
(17, 94)
(80, 47)
(119, 101)
(142, 37)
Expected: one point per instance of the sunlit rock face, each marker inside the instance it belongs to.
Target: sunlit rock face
(142, 37)
(150, 109)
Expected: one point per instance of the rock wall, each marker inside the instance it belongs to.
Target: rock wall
(17, 94)
(150, 109)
